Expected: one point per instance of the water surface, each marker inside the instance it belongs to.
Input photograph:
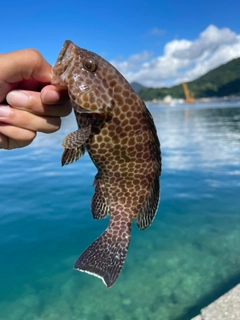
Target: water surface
(186, 259)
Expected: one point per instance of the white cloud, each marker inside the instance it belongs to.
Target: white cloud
(209, 40)
(182, 60)
(157, 32)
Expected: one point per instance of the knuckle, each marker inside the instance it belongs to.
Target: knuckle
(53, 125)
(27, 137)
(33, 54)
(57, 124)
(4, 142)
(35, 60)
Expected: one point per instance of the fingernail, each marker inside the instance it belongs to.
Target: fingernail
(17, 98)
(50, 97)
(4, 111)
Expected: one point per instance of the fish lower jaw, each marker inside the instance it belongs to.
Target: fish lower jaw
(57, 81)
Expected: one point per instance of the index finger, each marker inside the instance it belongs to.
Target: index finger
(22, 65)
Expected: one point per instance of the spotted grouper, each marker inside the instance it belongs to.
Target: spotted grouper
(118, 132)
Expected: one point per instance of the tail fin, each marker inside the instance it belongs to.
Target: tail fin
(105, 257)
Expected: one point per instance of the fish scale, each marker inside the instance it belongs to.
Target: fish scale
(118, 132)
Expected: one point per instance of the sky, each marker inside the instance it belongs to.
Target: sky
(156, 43)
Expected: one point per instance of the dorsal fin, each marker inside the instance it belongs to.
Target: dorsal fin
(146, 215)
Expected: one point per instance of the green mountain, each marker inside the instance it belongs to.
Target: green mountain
(137, 86)
(219, 82)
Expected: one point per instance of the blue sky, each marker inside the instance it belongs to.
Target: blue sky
(156, 43)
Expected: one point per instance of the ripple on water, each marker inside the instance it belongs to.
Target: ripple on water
(188, 257)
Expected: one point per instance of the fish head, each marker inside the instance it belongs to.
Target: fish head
(87, 77)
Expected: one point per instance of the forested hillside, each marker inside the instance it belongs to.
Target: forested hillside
(219, 82)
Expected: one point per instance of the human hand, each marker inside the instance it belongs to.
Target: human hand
(28, 103)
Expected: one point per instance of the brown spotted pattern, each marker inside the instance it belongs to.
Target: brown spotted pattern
(118, 131)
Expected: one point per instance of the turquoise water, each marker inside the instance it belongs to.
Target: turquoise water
(186, 259)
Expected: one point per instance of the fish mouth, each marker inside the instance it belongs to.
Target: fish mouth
(63, 63)
(66, 52)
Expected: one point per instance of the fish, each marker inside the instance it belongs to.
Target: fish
(118, 132)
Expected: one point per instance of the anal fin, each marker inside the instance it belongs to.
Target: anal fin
(100, 202)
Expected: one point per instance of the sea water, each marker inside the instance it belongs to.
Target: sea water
(186, 259)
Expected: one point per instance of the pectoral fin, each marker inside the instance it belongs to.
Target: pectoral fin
(74, 145)
(72, 155)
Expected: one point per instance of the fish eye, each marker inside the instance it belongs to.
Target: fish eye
(90, 65)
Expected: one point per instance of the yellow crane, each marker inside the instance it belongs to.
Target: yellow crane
(188, 95)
